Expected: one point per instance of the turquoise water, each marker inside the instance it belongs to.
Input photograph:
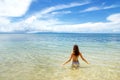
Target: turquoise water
(40, 56)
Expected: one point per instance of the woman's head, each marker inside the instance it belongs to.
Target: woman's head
(76, 50)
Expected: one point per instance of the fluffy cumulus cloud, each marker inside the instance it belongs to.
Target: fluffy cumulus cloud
(34, 24)
(54, 25)
(114, 18)
(14, 8)
(113, 25)
(45, 21)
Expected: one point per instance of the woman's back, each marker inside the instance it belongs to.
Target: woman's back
(75, 57)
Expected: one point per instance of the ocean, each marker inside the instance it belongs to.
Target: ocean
(40, 56)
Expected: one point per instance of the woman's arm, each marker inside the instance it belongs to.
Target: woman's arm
(68, 60)
(83, 58)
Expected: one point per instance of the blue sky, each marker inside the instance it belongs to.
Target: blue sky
(76, 16)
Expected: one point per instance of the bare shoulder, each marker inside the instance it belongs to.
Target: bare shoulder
(80, 53)
(72, 53)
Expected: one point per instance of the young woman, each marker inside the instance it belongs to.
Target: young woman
(74, 57)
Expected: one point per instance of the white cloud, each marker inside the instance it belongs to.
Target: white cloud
(61, 12)
(14, 8)
(112, 26)
(91, 9)
(57, 26)
(51, 12)
(43, 21)
(4, 20)
(94, 8)
(114, 18)
(46, 21)
(30, 19)
(60, 7)
(109, 7)
(34, 24)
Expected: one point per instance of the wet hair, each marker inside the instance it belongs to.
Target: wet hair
(75, 50)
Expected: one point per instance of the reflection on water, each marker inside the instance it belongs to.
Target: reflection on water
(40, 56)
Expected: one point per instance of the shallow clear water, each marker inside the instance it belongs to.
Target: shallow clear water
(40, 56)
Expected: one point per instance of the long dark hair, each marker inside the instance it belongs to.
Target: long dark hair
(75, 50)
